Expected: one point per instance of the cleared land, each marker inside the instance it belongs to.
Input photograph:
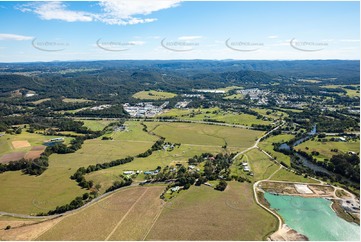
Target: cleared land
(202, 213)
(20, 144)
(154, 95)
(41, 101)
(284, 175)
(76, 100)
(24, 229)
(129, 215)
(207, 135)
(96, 125)
(54, 187)
(12, 157)
(324, 148)
(215, 114)
(268, 147)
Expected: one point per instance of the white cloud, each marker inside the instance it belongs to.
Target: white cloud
(189, 37)
(56, 11)
(113, 12)
(273, 37)
(14, 37)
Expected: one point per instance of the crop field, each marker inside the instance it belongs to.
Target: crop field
(54, 187)
(159, 158)
(202, 213)
(215, 114)
(96, 125)
(268, 147)
(127, 214)
(23, 229)
(154, 95)
(324, 148)
(202, 134)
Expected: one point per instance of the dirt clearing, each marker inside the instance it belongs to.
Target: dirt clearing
(20, 144)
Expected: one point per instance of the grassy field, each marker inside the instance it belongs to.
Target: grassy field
(284, 175)
(54, 187)
(274, 114)
(215, 114)
(350, 92)
(96, 125)
(76, 100)
(126, 215)
(260, 164)
(41, 101)
(324, 148)
(202, 213)
(234, 96)
(154, 95)
(268, 147)
(33, 138)
(207, 135)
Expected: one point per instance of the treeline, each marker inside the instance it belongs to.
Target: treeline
(158, 145)
(79, 174)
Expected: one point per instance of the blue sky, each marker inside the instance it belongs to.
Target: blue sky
(173, 29)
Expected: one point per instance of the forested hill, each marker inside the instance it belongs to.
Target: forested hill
(343, 70)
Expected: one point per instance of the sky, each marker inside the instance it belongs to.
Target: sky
(174, 29)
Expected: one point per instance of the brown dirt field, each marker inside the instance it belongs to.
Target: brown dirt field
(38, 148)
(28, 232)
(31, 155)
(138, 222)
(202, 213)
(20, 144)
(12, 157)
(322, 190)
(99, 220)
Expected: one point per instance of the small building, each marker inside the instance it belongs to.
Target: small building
(128, 172)
(341, 139)
(244, 164)
(175, 189)
(246, 168)
(191, 167)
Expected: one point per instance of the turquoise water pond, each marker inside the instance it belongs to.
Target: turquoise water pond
(313, 217)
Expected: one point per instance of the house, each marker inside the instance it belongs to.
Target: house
(128, 172)
(175, 189)
(244, 164)
(246, 168)
(341, 139)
